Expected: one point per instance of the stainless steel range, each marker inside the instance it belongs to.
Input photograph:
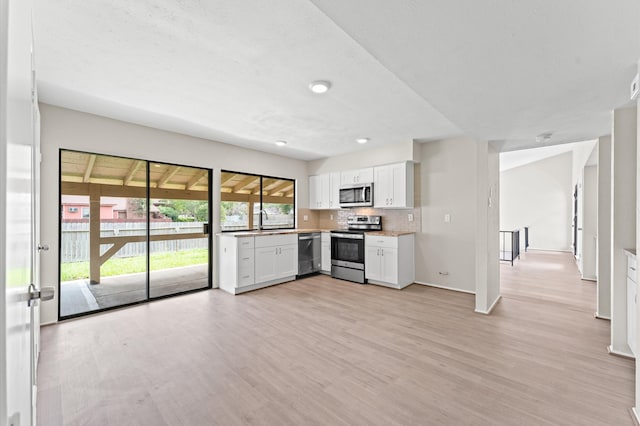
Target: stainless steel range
(347, 247)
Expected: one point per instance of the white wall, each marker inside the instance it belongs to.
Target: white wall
(589, 206)
(63, 128)
(539, 195)
(448, 186)
(603, 299)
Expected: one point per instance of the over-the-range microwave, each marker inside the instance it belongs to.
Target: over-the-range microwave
(356, 195)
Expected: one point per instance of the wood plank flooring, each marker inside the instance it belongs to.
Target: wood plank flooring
(320, 351)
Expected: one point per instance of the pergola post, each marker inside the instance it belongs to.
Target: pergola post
(94, 234)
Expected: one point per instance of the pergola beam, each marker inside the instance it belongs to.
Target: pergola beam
(167, 176)
(75, 188)
(244, 183)
(132, 171)
(89, 169)
(197, 178)
(280, 188)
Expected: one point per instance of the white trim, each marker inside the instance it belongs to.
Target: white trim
(613, 352)
(388, 285)
(602, 317)
(634, 415)
(445, 287)
(4, 37)
(544, 249)
(493, 305)
(244, 289)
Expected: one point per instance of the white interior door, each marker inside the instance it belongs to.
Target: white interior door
(17, 210)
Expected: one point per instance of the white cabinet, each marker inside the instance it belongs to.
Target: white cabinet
(325, 253)
(276, 258)
(236, 259)
(393, 186)
(632, 299)
(324, 191)
(389, 260)
(357, 176)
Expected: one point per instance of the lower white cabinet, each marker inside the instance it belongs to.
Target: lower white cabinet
(250, 263)
(325, 253)
(389, 260)
(632, 301)
(236, 260)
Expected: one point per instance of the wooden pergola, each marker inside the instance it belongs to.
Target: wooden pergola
(99, 176)
(241, 187)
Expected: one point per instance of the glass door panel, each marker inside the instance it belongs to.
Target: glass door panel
(103, 232)
(178, 229)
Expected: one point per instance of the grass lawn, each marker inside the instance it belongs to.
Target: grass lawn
(131, 265)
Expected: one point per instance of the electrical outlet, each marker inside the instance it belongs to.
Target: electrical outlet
(331, 216)
(447, 218)
(410, 217)
(305, 217)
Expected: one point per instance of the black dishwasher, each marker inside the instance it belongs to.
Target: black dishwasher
(309, 260)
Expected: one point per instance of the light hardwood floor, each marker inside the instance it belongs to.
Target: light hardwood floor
(322, 351)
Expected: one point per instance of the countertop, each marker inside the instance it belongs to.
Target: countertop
(390, 233)
(270, 232)
(240, 234)
(632, 252)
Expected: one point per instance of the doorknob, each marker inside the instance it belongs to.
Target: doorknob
(44, 294)
(43, 247)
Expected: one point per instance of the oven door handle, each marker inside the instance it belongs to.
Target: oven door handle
(348, 236)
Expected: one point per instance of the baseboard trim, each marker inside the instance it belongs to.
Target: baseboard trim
(445, 287)
(595, 280)
(634, 416)
(48, 323)
(543, 249)
(627, 355)
(601, 317)
(493, 305)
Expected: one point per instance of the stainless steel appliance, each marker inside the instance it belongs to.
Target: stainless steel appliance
(356, 195)
(309, 260)
(347, 247)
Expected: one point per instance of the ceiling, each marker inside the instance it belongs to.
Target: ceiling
(238, 72)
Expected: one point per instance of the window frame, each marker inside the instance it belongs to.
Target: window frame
(260, 225)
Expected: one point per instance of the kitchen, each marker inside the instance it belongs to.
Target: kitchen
(348, 252)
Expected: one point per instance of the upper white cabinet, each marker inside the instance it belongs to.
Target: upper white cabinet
(356, 176)
(393, 186)
(323, 191)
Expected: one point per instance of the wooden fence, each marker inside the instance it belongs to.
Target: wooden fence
(74, 244)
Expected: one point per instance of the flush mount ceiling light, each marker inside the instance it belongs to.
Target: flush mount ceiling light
(319, 86)
(543, 137)
(362, 140)
(281, 143)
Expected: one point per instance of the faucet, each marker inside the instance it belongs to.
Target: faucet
(266, 216)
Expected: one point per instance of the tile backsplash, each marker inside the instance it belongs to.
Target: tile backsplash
(392, 219)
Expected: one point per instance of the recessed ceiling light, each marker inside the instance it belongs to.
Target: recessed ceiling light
(362, 140)
(319, 86)
(281, 143)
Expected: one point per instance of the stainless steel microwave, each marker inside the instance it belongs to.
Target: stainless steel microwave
(356, 195)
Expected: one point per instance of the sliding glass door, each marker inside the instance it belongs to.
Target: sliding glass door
(179, 229)
(130, 230)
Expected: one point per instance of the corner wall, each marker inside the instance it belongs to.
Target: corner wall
(67, 129)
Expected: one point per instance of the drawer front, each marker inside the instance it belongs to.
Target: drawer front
(245, 277)
(245, 243)
(631, 268)
(377, 241)
(276, 240)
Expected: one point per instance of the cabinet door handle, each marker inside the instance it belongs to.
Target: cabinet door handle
(246, 276)
(245, 258)
(377, 252)
(632, 268)
(382, 251)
